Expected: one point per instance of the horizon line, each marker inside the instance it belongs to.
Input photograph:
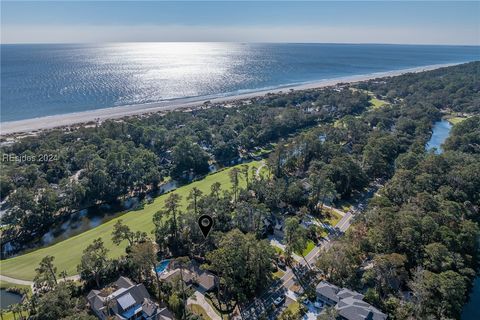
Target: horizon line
(246, 42)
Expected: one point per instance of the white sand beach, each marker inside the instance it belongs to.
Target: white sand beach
(69, 119)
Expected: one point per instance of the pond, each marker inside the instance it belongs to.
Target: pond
(441, 130)
(8, 298)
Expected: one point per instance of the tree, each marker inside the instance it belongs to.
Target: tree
(144, 257)
(438, 295)
(329, 313)
(94, 262)
(45, 277)
(172, 205)
(288, 314)
(122, 232)
(182, 262)
(57, 304)
(321, 190)
(187, 156)
(194, 194)
(175, 304)
(340, 263)
(295, 238)
(215, 189)
(243, 263)
(234, 179)
(388, 273)
(246, 175)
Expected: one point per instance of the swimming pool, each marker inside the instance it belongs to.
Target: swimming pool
(162, 266)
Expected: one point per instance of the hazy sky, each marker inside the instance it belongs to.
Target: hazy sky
(247, 21)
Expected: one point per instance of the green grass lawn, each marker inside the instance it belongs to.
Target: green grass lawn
(279, 274)
(456, 120)
(333, 217)
(278, 250)
(198, 310)
(67, 253)
(294, 307)
(310, 246)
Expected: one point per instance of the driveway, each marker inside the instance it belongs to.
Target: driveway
(199, 298)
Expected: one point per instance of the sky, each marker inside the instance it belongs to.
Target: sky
(417, 22)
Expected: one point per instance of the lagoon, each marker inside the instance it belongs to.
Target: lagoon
(441, 130)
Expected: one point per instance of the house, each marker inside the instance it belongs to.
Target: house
(125, 300)
(192, 275)
(348, 303)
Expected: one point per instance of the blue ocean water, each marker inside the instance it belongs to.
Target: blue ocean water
(39, 80)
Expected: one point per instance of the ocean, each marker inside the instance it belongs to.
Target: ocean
(49, 79)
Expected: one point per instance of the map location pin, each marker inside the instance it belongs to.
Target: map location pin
(205, 222)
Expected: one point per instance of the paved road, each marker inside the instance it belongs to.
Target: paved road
(282, 286)
(345, 222)
(289, 278)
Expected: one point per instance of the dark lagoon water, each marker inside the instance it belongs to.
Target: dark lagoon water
(40, 80)
(471, 311)
(8, 298)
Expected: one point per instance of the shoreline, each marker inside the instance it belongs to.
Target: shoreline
(70, 119)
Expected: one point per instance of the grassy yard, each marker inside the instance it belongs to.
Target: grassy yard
(310, 246)
(279, 274)
(67, 253)
(278, 250)
(455, 120)
(294, 307)
(198, 310)
(333, 217)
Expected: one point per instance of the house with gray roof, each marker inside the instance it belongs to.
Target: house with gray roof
(192, 275)
(348, 303)
(126, 300)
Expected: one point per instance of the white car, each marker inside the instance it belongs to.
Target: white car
(318, 304)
